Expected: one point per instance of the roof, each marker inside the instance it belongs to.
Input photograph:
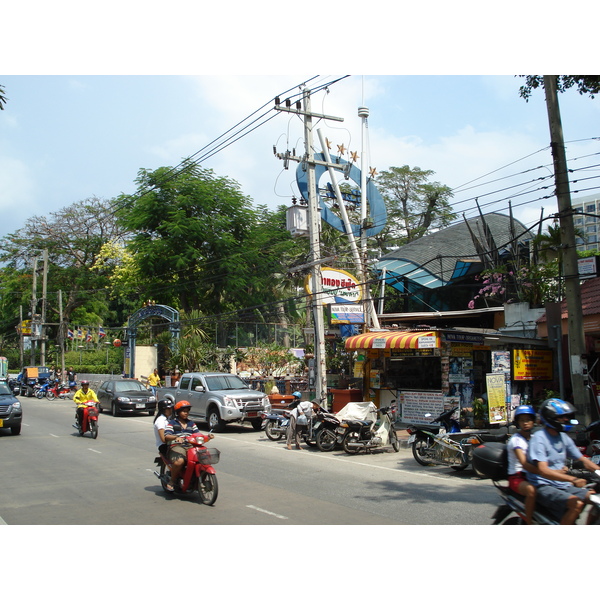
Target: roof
(393, 339)
(590, 300)
(436, 259)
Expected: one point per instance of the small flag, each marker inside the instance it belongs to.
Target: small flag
(70, 334)
(101, 332)
(79, 333)
(89, 336)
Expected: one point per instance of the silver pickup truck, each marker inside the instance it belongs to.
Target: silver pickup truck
(220, 398)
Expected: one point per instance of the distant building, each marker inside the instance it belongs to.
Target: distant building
(587, 222)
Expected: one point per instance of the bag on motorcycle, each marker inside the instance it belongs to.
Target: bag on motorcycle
(301, 420)
(490, 460)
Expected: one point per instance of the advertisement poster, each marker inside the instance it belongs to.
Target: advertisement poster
(496, 392)
(532, 365)
(501, 361)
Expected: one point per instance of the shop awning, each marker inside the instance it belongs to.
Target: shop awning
(393, 339)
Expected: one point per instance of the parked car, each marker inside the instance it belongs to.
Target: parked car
(220, 398)
(126, 396)
(11, 411)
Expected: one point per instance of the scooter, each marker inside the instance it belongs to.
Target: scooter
(490, 462)
(89, 419)
(198, 475)
(51, 390)
(326, 437)
(588, 441)
(368, 435)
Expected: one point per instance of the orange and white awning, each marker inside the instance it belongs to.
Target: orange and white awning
(394, 339)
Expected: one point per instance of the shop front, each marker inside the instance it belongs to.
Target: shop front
(429, 371)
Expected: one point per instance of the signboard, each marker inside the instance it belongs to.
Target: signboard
(338, 286)
(496, 392)
(415, 405)
(501, 361)
(587, 267)
(346, 313)
(532, 365)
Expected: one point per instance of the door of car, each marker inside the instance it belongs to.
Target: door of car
(103, 395)
(197, 399)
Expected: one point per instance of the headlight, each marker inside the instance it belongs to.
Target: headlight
(16, 405)
(123, 399)
(228, 401)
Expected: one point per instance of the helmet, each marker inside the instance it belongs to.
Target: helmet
(85, 382)
(523, 410)
(182, 404)
(297, 394)
(552, 409)
(162, 404)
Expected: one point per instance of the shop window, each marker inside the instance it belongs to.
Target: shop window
(414, 373)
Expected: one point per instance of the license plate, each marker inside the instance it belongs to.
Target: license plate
(140, 406)
(412, 438)
(595, 459)
(252, 414)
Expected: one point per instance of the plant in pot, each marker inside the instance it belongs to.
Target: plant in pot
(479, 407)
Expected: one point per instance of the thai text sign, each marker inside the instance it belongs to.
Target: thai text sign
(338, 286)
(535, 365)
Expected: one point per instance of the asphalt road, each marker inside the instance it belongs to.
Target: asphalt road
(51, 476)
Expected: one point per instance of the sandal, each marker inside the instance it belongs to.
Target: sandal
(169, 487)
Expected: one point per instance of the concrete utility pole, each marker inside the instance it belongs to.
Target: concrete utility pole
(577, 351)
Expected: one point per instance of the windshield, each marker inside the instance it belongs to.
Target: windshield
(225, 382)
(129, 386)
(4, 389)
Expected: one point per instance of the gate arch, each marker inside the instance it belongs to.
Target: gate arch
(151, 310)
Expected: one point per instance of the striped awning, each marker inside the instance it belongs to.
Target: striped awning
(393, 339)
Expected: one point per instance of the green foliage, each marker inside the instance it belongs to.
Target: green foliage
(585, 84)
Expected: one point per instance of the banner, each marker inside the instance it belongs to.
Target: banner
(532, 365)
(496, 393)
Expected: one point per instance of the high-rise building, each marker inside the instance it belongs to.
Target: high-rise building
(588, 223)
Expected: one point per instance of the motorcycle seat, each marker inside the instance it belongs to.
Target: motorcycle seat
(359, 422)
(493, 437)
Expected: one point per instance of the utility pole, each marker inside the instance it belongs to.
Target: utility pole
(43, 323)
(577, 352)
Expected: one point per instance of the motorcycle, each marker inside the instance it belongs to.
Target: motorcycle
(370, 434)
(326, 437)
(490, 462)
(198, 475)
(432, 447)
(275, 424)
(588, 441)
(89, 419)
(52, 389)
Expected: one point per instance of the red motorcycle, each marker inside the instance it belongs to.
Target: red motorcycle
(198, 475)
(89, 419)
(57, 390)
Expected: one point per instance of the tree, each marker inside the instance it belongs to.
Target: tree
(585, 84)
(414, 204)
(2, 97)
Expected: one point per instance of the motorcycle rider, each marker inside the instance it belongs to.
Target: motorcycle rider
(524, 420)
(81, 396)
(175, 433)
(563, 494)
(165, 412)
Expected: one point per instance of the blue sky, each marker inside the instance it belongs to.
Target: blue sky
(64, 138)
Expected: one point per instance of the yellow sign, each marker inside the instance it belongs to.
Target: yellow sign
(337, 286)
(533, 365)
(25, 327)
(496, 392)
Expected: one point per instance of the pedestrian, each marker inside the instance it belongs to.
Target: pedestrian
(72, 378)
(154, 381)
(299, 417)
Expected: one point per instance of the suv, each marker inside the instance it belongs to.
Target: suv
(220, 398)
(11, 412)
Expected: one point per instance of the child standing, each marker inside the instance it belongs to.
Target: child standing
(524, 420)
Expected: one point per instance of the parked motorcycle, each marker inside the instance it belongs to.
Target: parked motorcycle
(490, 461)
(326, 437)
(432, 447)
(275, 424)
(588, 441)
(199, 474)
(89, 419)
(370, 434)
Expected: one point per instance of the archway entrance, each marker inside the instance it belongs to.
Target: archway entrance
(146, 312)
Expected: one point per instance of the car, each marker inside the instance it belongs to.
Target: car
(220, 398)
(126, 396)
(11, 411)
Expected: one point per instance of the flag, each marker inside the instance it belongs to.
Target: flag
(79, 333)
(89, 336)
(70, 334)
(101, 333)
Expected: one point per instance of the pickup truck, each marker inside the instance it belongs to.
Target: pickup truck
(220, 398)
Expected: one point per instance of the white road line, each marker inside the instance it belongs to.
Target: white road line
(267, 512)
(54, 435)
(96, 451)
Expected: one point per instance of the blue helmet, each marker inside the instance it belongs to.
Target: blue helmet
(554, 408)
(523, 410)
(297, 395)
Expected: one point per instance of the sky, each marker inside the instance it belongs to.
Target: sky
(65, 138)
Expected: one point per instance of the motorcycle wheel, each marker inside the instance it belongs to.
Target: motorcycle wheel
(394, 441)
(39, 394)
(273, 435)
(350, 437)
(50, 395)
(208, 488)
(420, 449)
(94, 429)
(326, 440)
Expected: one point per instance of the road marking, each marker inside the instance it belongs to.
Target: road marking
(96, 451)
(267, 512)
(54, 435)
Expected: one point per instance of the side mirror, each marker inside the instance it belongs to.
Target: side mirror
(199, 388)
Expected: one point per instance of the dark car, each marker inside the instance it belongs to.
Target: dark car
(11, 412)
(126, 396)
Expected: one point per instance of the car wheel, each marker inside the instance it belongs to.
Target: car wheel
(215, 423)
(114, 409)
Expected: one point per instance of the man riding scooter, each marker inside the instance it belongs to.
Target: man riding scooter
(83, 395)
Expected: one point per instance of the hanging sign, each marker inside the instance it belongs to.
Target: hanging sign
(338, 286)
(532, 365)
